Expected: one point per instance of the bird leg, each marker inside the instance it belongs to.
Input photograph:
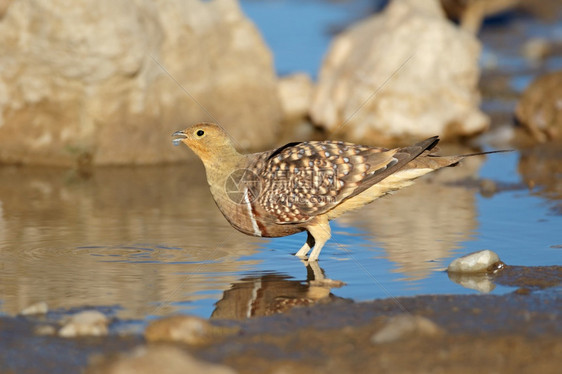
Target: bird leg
(314, 272)
(318, 234)
(317, 279)
(321, 233)
(306, 247)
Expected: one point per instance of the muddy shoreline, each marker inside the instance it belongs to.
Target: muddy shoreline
(515, 332)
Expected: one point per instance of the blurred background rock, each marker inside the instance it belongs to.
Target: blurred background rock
(471, 13)
(108, 81)
(539, 110)
(404, 74)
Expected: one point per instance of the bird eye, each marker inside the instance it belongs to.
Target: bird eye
(200, 133)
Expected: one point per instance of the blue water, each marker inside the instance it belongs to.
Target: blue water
(517, 226)
(299, 32)
(150, 242)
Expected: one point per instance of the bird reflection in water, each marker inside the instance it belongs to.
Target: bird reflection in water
(274, 293)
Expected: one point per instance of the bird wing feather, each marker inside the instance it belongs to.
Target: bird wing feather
(303, 180)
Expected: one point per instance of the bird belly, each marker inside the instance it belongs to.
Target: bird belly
(247, 218)
(393, 182)
(255, 226)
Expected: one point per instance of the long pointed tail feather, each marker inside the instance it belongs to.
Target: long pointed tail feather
(457, 158)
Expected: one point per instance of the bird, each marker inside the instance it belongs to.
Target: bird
(302, 186)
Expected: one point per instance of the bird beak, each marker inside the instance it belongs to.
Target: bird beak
(180, 135)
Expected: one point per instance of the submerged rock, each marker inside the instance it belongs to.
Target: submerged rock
(45, 330)
(403, 325)
(108, 81)
(86, 323)
(160, 359)
(185, 329)
(540, 108)
(405, 73)
(476, 262)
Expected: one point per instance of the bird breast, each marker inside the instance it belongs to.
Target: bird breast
(244, 214)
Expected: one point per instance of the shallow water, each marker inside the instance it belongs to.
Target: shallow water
(149, 241)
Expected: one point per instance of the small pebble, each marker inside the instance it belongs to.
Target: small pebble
(38, 308)
(154, 359)
(45, 330)
(476, 262)
(185, 329)
(86, 323)
(403, 325)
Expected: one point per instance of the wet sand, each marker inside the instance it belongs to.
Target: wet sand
(516, 332)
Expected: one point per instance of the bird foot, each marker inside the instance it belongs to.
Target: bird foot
(329, 283)
(302, 257)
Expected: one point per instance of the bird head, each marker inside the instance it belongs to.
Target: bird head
(208, 140)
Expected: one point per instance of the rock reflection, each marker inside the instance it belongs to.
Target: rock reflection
(135, 237)
(273, 293)
(526, 278)
(480, 282)
(423, 223)
(541, 170)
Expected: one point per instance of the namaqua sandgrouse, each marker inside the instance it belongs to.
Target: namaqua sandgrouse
(302, 186)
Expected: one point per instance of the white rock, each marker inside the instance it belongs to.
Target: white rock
(40, 307)
(295, 93)
(186, 329)
(110, 80)
(403, 325)
(156, 359)
(407, 72)
(86, 323)
(476, 262)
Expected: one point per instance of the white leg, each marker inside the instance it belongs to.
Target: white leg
(316, 251)
(306, 247)
(321, 234)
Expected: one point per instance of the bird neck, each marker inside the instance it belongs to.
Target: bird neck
(221, 163)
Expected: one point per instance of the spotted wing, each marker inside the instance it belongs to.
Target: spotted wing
(302, 180)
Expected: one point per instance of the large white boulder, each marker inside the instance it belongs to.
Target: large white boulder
(405, 73)
(108, 81)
